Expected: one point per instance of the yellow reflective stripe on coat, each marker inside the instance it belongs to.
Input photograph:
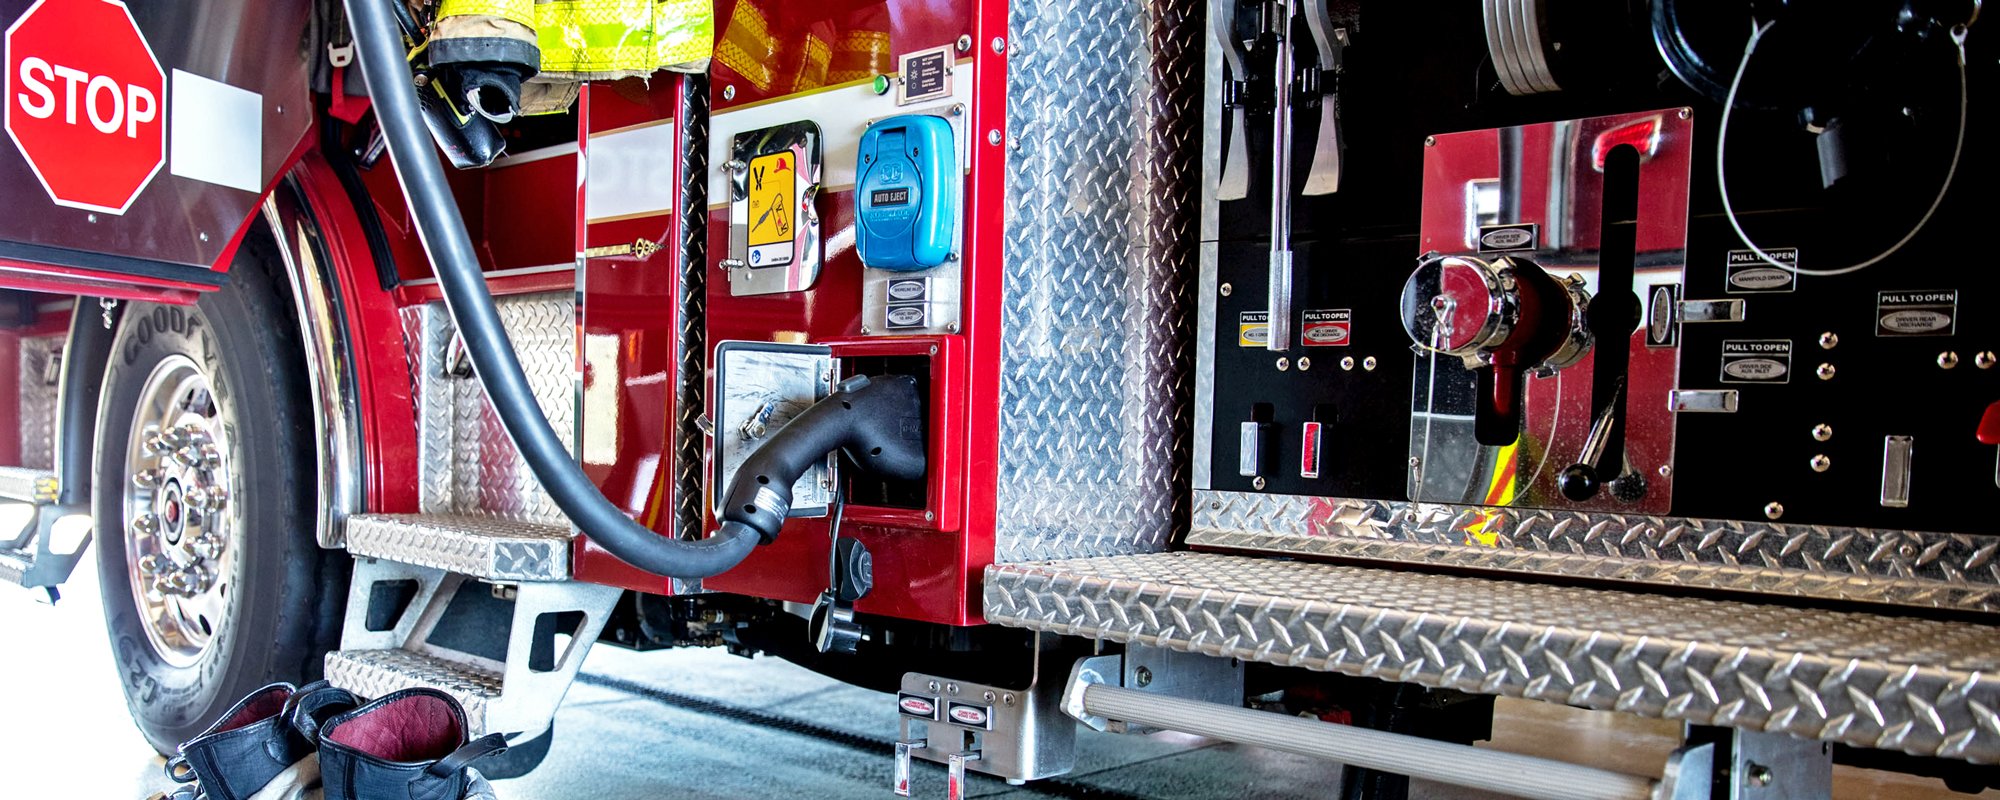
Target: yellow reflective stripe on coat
(522, 11)
(622, 35)
(747, 47)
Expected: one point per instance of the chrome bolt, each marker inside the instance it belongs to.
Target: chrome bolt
(1822, 432)
(1007, 699)
(1825, 372)
(1284, 364)
(990, 696)
(1684, 113)
(1666, 470)
(1225, 289)
(1305, 363)
(729, 92)
(933, 686)
(147, 525)
(1947, 359)
(999, 45)
(162, 443)
(1430, 141)
(993, 137)
(1368, 363)
(736, 167)
(964, 42)
(1774, 510)
(1758, 775)
(1820, 463)
(1829, 340)
(1142, 677)
(146, 478)
(1986, 359)
(1257, 483)
(1347, 363)
(951, 688)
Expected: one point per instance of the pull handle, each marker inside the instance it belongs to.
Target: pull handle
(955, 767)
(1234, 182)
(1331, 39)
(1280, 295)
(905, 753)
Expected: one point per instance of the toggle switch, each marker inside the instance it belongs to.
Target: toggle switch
(1309, 435)
(1253, 444)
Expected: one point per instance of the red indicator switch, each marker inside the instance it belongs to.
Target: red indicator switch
(1989, 425)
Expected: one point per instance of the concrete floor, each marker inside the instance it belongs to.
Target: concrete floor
(66, 734)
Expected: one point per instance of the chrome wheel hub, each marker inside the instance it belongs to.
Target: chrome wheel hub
(179, 552)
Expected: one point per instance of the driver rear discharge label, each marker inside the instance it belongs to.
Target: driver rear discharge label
(1329, 328)
(1757, 361)
(1933, 313)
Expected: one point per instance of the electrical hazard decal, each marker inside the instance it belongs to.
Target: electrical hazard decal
(774, 189)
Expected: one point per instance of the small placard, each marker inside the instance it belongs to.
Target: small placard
(1253, 329)
(1757, 361)
(1925, 313)
(1749, 273)
(1328, 328)
(1509, 238)
(773, 184)
(926, 75)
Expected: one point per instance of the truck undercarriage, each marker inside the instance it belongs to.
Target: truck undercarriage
(1145, 366)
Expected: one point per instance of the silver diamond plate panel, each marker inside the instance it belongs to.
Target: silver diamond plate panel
(373, 673)
(14, 565)
(483, 547)
(691, 378)
(1920, 686)
(469, 464)
(27, 485)
(1095, 368)
(1934, 570)
(40, 357)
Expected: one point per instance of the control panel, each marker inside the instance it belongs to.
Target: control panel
(1564, 289)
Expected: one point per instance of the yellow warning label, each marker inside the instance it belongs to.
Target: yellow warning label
(1253, 329)
(773, 190)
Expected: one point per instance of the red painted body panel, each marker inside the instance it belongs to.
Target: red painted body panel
(633, 302)
(924, 569)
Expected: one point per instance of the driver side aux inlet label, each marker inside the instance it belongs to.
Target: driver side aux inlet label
(1757, 361)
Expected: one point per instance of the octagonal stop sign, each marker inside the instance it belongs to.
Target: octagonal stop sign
(86, 102)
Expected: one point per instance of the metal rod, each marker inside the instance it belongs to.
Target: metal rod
(1280, 297)
(1454, 764)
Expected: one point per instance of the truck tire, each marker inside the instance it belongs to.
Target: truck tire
(203, 491)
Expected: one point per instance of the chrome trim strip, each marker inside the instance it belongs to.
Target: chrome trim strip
(568, 266)
(329, 362)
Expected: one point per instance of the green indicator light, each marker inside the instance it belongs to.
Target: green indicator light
(881, 84)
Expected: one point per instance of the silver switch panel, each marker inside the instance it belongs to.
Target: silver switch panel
(1896, 451)
(1249, 459)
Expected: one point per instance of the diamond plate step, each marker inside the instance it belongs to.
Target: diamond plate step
(373, 673)
(27, 485)
(14, 565)
(482, 547)
(1925, 687)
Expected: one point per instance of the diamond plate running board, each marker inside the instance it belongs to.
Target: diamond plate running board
(482, 547)
(1924, 687)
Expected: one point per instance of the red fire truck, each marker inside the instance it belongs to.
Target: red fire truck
(1042, 362)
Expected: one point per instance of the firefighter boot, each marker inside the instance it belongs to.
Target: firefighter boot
(408, 744)
(255, 741)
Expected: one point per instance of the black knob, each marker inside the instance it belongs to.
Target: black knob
(1578, 482)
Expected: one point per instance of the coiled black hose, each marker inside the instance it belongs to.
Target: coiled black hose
(379, 47)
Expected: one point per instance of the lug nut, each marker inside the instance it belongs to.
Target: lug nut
(146, 478)
(153, 564)
(147, 525)
(207, 546)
